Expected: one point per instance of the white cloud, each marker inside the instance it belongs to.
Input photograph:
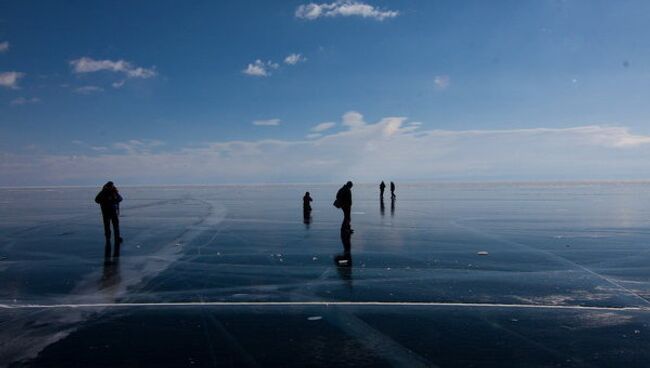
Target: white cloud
(343, 8)
(4, 46)
(294, 59)
(87, 90)
(10, 79)
(441, 82)
(91, 147)
(313, 135)
(323, 126)
(88, 65)
(353, 119)
(269, 122)
(361, 152)
(256, 69)
(138, 146)
(24, 101)
(260, 68)
(118, 84)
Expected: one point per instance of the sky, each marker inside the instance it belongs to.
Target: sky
(215, 92)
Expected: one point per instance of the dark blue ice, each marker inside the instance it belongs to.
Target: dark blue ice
(562, 277)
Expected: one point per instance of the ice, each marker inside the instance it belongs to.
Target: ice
(239, 262)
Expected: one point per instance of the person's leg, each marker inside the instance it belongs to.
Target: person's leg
(107, 226)
(346, 218)
(116, 228)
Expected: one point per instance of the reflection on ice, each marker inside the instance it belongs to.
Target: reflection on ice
(24, 338)
(209, 247)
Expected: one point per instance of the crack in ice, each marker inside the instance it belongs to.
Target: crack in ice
(318, 303)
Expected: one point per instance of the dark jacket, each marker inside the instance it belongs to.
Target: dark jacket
(306, 202)
(344, 196)
(109, 200)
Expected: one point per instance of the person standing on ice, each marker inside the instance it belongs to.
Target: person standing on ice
(109, 200)
(306, 202)
(392, 190)
(344, 202)
(382, 187)
(306, 209)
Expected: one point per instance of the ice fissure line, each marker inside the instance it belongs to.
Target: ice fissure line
(557, 257)
(318, 303)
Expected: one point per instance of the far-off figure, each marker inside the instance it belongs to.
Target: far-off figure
(306, 209)
(392, 190)
(382, 187)
(306, 202)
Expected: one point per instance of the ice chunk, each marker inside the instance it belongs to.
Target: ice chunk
(482, 253)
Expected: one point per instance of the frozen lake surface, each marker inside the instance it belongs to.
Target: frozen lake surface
(232, 276)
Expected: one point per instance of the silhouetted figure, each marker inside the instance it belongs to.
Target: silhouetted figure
(382, 187)
(109, 200)
(306, 209)
(392, 207)
(306, 202)
(382, 208)
(392, 190)
(344, 202)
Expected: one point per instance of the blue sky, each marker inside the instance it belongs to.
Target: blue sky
(157, 91)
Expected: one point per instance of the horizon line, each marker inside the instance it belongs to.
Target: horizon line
(405, 182)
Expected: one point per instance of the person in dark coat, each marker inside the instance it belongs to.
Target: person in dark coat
(306, 209)
(382, 187)
(306, 202)
(392, 190)
(344, 201)
(109, 200)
